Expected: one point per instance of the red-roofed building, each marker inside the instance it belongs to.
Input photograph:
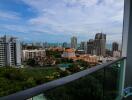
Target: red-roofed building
(69, 53)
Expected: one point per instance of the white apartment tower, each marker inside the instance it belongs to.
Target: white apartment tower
(10, 51)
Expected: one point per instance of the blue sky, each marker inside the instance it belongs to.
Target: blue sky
(58, 20)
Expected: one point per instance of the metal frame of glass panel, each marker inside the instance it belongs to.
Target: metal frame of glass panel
(127, 45)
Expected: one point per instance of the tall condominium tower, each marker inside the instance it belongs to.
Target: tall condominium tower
(100, 43)
(83, 46)
(74, 42)
(90, 47)
(10, 51)
(115, 46)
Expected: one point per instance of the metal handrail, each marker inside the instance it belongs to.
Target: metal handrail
(29, 93)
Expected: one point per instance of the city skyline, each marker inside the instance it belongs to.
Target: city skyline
(58, 21)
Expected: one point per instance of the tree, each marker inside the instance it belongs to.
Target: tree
(64, 73)
(56, 54)
(30, 82)
(83, 63)
(73, 68)
(32, 62)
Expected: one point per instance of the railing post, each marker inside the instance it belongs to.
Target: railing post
(121, 79)
(104, 74)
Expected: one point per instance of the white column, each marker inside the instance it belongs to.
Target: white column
(127, 43)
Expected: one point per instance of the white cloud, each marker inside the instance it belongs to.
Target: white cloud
(9, 15)
(86, 3)
(80, 17)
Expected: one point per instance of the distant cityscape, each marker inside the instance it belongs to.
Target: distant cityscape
(15, 53)
(26, 65)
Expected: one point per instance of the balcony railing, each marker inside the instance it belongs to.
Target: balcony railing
(102, 82)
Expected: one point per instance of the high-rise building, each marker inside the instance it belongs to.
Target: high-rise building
(65, 45)
(45, 45)
(115, 46)
(74, 42)
(10, 51)
(83, 46)
(100, 44)
(90, 47)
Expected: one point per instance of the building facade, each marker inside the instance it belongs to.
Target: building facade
(65, 45)
(10, 51)
(74, 42)
(83, 46)
(116, 54)
(33, 54)
(115, 46)
(90, 47)
(69, 53)
(100, 44)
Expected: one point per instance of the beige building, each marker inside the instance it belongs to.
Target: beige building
(88, 58)
(33, 54)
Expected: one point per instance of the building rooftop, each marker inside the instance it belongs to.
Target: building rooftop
(69, 50)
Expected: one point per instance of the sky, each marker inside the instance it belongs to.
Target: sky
(59, 20)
